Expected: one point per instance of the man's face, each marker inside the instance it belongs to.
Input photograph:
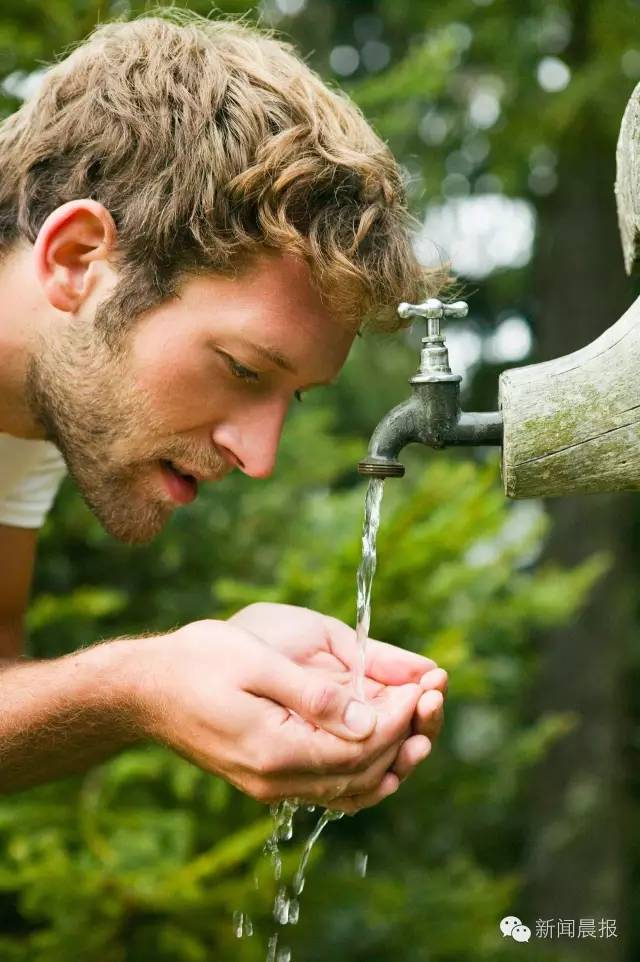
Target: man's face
(202, 385)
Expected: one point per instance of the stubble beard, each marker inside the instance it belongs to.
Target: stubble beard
(76, 389)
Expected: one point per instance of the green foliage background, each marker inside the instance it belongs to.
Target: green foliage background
(146, 858)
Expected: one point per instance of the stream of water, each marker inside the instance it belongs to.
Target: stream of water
(364, 579)
(286, 906)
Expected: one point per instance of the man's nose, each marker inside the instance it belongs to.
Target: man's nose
(251, 442)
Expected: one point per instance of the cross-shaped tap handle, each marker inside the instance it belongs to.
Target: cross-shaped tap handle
(433, 310)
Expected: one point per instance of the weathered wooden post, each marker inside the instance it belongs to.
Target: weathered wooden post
(572, 425)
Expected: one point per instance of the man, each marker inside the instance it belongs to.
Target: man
(192, 227)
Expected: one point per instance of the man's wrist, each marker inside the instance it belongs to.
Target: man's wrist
(140, 672)
(149, 671)
(116, 677)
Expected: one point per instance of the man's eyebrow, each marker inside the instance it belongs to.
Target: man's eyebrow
(277, 358)
(270, 354)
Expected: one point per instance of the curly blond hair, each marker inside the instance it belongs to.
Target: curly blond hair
(210, 142)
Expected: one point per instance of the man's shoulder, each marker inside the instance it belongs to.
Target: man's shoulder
(20, 455)
(30, 474)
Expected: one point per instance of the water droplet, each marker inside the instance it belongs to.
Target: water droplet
(311, 808)
(281, 906)
(271, 948)
(282, 818)
(284, 955)
(286, 832)
(361, 863)
(294, 912)
(238, 924)
(248, 926)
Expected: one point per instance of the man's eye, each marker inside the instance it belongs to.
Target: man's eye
(239, 370)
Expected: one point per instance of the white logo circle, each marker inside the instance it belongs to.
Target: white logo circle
(508, 924)
(521, 933)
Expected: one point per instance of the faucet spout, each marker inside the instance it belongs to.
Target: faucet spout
(432, 415)
(397, 429)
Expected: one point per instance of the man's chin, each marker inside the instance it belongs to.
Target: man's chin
(136, 521)
(132, 533)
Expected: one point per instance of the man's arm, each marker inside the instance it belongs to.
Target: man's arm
(17, 554)
(218, 695)
(56, 716)
(60, 716)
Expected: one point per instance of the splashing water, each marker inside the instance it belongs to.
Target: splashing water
(283, 954)
(277, 955)
(286, 907)
(326, 817)
(272, 947)
(282, 821)
(242, 924)
(285, 910)
(281, 906)
(364, 579)
(294, 912)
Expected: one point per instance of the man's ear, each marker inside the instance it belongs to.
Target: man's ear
(73, 237)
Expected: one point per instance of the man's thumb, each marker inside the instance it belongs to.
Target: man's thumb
(310, 693)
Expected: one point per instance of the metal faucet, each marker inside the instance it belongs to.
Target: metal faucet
(432, 415)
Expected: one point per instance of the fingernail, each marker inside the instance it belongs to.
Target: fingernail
(392, 785)
(433, 699)
(433, 677)
(359, 718)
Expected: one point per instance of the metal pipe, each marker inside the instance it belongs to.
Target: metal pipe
(432, 415)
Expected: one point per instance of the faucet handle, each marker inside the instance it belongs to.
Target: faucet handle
(433, 310)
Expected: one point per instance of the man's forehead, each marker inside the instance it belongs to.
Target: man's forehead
(269, 313)
(273, 307)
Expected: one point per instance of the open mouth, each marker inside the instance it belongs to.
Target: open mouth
(181, 487)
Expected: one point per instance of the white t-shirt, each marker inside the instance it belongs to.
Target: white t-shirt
(30, 475)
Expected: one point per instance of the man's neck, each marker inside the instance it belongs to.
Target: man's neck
(23, 310)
